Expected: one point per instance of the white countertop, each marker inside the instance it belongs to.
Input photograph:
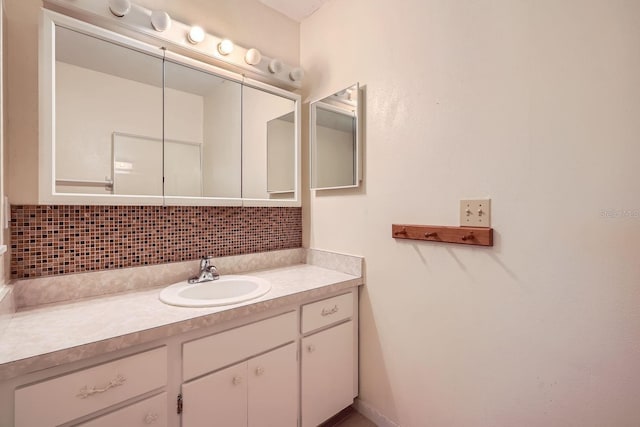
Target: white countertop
(61, 333)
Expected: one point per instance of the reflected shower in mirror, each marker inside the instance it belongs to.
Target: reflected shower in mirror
(108, 117)
(335, 143)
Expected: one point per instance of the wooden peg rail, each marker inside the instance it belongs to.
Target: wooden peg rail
(478, 236)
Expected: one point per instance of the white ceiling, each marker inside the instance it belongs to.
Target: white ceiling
(294, 9)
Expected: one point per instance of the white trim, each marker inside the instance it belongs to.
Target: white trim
(373, 414)
(3, 249)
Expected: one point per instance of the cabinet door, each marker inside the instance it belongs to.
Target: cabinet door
(273, 389)
(217, 400)
(327, 373)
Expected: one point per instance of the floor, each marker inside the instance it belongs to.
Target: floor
(349, 418)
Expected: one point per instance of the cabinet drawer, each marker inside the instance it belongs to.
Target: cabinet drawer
(326, 312)
(149, 412)
(216, 351)
(68, 397)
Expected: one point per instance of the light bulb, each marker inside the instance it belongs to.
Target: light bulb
(160, 21)
(225, 47)
(196, 35)
(275, 66)
(119, 7)
(253, 57)
(296, 74)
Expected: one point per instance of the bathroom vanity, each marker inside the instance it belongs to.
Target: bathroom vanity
(288, 358)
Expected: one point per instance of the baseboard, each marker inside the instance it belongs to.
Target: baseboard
(373, 414)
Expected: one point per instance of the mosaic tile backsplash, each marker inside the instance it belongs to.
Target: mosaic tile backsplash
(48, 240)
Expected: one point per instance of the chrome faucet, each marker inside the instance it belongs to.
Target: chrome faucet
(208, 272)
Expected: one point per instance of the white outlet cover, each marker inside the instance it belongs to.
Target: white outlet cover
(475, 213)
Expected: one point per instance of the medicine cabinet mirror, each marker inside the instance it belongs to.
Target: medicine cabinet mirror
(335, 140)
(124, 122)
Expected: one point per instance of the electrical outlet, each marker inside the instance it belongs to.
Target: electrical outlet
(475, 213)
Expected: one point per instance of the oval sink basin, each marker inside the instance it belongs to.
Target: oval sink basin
(224, 291)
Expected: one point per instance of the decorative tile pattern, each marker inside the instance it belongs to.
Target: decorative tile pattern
(56, 239)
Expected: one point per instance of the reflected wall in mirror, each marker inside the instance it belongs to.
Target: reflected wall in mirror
(108, 104)
(335, 140)
(269, 146)
(281, 154)
(203, 134)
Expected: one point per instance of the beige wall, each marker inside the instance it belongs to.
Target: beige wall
(247, 22)
(534, 103)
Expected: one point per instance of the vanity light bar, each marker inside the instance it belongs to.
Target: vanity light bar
(159, 25)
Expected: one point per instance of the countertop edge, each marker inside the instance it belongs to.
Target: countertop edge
(33, 364)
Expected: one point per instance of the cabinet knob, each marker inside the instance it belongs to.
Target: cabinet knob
(237, 380)
(311, 348)
(259, 370)
(151, 418)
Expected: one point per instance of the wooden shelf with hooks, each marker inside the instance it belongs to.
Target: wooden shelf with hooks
(478, 236)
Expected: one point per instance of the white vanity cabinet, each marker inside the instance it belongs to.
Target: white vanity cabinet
(288, 367)
(259, 392)
(329, 358)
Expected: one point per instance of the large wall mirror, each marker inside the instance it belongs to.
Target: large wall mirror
(335, 140)
(127, 123)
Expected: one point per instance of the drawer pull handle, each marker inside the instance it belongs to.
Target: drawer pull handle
(330, 311)
(259, 370)
(311, 348)
(151, 418)
(90, 391)
(237, 380)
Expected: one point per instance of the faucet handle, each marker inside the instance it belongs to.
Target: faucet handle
(205, 262)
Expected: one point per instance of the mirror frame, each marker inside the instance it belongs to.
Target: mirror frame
(47, 193)
(313, 140)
